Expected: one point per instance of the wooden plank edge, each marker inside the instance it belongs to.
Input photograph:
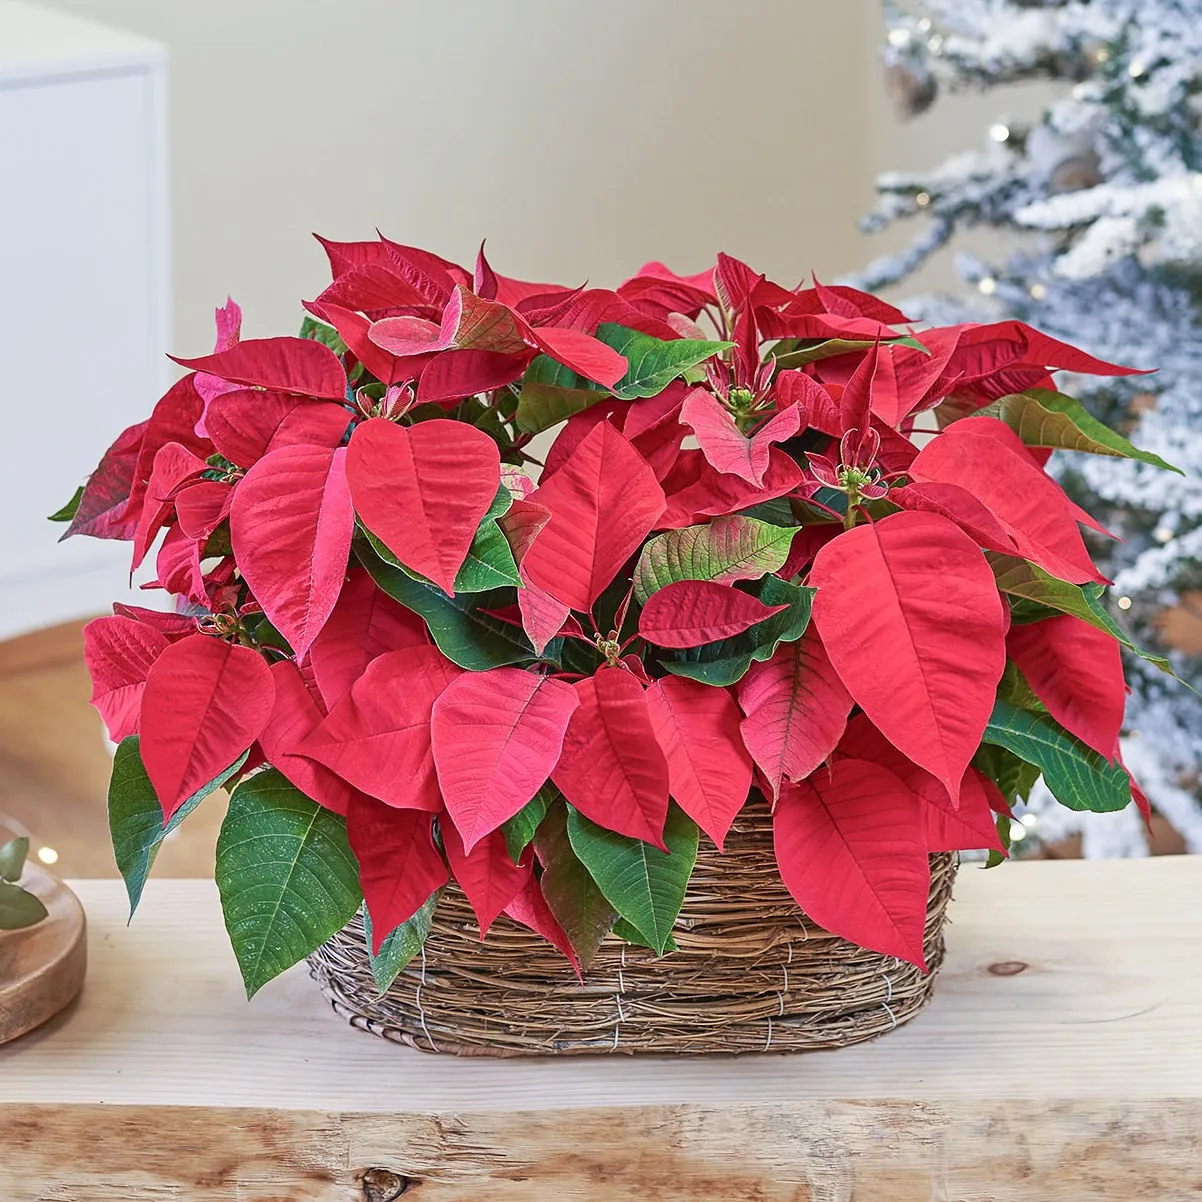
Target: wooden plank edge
(822, 1151)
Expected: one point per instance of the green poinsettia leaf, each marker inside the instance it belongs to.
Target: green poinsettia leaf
(579, 906)
(631, 934)
(400, 945)
(723, 663)
(1037, 593)
(541, 406)
(789, 354)
(995, 857)
(136, 817)
(1078, 777)
(19, 908)
(653, 362)
(318, 331)
(460, 628)
(492, 422)
(286, 874)
(725, 550)
(645, 885)
(489, 563)
(68, 511)
(778, 511)
(1013, 687)
(12, 859)
(500, 504)
(519, 831)
(1042, 418)
(1014, 777)
(551, 393)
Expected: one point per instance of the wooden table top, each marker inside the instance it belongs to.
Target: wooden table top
(1110, 1005)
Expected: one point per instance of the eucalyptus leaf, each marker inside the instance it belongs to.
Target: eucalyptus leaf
(1078, 777)
(400, 945)
(645, 885)
(1043, 418)
(19, 908)
(136, 817)
(286, 874)
(12, 859)
(653, 363)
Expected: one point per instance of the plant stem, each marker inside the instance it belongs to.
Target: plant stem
(849, 518)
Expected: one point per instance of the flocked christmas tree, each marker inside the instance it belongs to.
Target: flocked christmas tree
(1108, 188)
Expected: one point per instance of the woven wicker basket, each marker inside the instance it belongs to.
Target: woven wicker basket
(752, 974)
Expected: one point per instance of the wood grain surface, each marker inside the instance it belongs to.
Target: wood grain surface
(1059, 1062)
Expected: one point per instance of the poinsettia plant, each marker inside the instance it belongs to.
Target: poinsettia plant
(416, 653)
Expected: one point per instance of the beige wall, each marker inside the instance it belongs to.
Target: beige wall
(582, 138)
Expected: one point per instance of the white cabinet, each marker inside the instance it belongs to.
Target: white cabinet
(84, 302)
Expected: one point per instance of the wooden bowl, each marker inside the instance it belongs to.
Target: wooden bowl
(41, 967)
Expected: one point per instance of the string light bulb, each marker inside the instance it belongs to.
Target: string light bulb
(1000, 132)
(924, 26)
(987, 285)
(899, 37)
(935, 45)
(1124, 603)
(1018, 832)
(47, 855)
(922, 199)
(1163, 534)
(1038, 292)
(1136, 69)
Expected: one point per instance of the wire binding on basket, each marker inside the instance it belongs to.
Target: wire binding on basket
(747, 959)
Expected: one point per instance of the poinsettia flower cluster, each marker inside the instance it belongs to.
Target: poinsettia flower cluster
(735, 575)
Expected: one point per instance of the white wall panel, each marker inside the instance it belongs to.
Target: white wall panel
(83, 303)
